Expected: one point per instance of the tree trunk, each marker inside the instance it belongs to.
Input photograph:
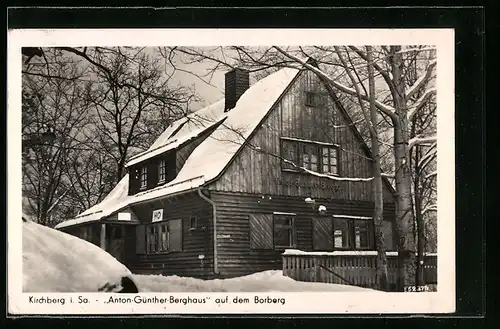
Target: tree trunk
(377, 182)
(404, 220)
(419, 222)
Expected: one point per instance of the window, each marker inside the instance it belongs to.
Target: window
(193, 222)
(144, 177)
(272, 231)
(152, 235)
(289, 152)
(163, 245)
(310, 98)
(329, 160)
(363, 234)
(353, 234)
(165, 236)
(161, 171)
(309, 155)
(284, 231)
(341, 233)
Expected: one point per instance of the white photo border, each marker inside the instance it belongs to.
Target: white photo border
(442, 301)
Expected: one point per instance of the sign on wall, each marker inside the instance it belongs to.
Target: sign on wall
(157, 215)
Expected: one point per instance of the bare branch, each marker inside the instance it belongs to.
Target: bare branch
(388, 110)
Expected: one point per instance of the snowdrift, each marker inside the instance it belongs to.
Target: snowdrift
(55, 261)
(267, 281)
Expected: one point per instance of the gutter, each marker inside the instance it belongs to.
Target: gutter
(214, 215)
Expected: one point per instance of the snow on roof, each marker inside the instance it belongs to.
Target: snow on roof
(209, 159)
(117, 199)
(217, 150)
(192, 127)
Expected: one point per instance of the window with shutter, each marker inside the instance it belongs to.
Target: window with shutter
(322, 233)
(261, 231)
(353, 233)
(140, 233)
(175, 234)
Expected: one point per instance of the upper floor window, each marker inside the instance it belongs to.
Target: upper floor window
(329, 160)
(314, 156)
(161, 171)
(144, 177)
(310, 98)
(309, 156)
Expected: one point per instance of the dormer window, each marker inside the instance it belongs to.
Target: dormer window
(144, 177)
(161, 171)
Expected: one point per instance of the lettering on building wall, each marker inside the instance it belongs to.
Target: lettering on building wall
(309, 184)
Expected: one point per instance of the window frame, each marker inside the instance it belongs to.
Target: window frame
(162, 165)
(351, 232)
(298, 145)
(195, 219)
(158, 240)
(292, 227)
(347, 230)
(143, 177)
(369, 228)
(310, 99)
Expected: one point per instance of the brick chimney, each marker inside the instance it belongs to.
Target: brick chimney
(237, 82)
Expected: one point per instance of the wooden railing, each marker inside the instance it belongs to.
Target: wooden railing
(349, 268)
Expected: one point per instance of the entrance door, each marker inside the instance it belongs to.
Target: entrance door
(116, 241)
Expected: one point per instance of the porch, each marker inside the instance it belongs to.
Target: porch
(352, 268)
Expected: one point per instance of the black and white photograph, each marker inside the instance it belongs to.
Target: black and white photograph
(230, 175)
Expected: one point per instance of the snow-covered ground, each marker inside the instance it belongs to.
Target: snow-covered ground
(54, 261)
(268, 281)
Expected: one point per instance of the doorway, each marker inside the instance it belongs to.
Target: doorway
(115, 237)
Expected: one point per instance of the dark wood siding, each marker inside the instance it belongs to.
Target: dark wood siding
(235, 255)
(195, 242)
(257, 169)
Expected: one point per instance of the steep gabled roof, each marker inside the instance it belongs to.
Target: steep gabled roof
(209, 159)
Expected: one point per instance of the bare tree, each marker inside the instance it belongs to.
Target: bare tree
(396, 107)
(128, 119)
(60, 104)
(115, 101)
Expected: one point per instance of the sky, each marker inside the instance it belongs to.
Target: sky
(209, 94)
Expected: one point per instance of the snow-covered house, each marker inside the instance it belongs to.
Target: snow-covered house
(224, 191)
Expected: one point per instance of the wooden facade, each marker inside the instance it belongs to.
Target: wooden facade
(264, 201)
(194, 257)
(259, 169)
(235, 214)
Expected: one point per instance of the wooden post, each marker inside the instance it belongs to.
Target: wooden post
(103, 236)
